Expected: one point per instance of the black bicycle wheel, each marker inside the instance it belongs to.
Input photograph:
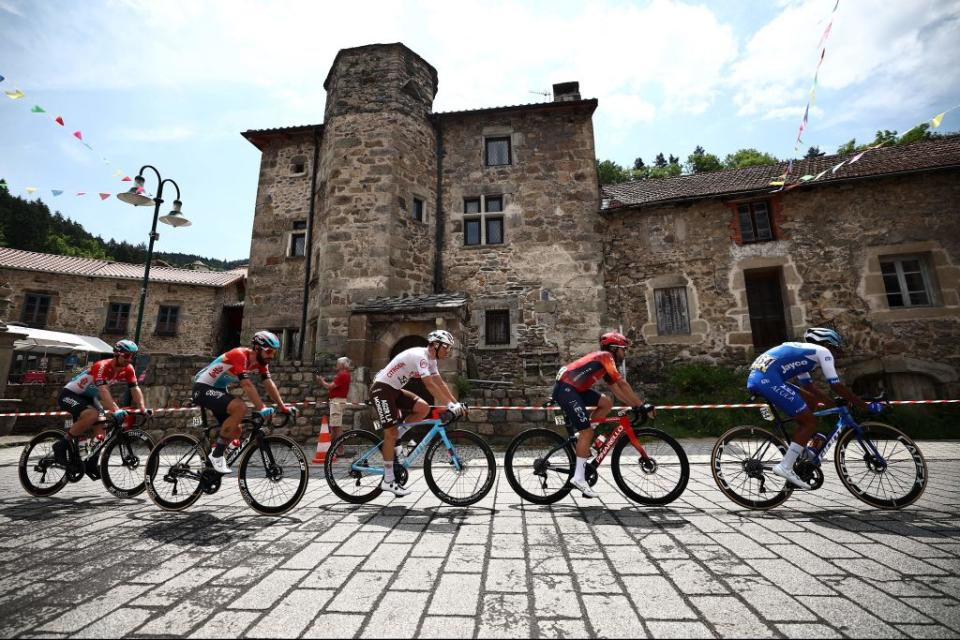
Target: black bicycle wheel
(122, 463)
(172, 476)
(659, 476)
(741, 463)
(461, 476)
(345, 481)
(536, 474)
(39, 474)
(273, 477)
(895, 481)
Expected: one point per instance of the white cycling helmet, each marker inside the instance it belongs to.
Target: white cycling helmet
(441, 336)
(822, 335)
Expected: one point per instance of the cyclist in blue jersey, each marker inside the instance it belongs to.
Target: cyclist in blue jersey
(769, 376)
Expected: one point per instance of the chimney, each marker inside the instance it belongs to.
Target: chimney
(566, 91)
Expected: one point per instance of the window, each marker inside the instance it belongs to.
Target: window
(298, 165)
(36, 306)
(906, 281)
(672, 315)
(497, 326)
(118, 315)
(291, 341)
(298, 240)
(167, 321)
(497, 151)
(418, 210)
(479, 226)
(755, 222)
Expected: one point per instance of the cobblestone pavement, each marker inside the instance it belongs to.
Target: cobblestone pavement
(83, 564)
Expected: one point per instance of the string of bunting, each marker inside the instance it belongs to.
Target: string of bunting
(666, 407)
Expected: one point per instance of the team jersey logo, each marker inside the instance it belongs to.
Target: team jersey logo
(216, 371)
(763, 363)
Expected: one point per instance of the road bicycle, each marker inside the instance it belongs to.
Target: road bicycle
(458, 465)
(877, 463)
(272, 470)
(649, 466)
(115, 458)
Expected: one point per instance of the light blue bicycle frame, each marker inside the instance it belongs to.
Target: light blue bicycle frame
(844, 421)
(438, 429)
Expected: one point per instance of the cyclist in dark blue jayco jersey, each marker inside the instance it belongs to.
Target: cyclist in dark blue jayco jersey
(769, 375)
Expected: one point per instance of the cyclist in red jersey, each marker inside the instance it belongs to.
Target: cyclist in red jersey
(86, 395)
(573, 392)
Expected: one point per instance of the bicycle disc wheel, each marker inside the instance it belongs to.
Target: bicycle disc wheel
(172, 476)
(122, 463)
(536, 477)
(892, 483)
(477, 468)
(657, 478)
(741, 463)
(273, 477)
(353, 485)
(38, 473)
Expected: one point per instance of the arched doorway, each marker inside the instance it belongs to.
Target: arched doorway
(416, 385)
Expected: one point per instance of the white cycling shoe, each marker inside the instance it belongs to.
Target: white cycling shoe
(790, 476)
(220, 464)
(584, 488)
(395, 488)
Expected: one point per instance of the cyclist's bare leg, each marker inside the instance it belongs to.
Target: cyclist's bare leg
(231, 428)
(86, 420)
(585, 437)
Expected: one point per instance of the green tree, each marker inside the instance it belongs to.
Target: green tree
(660, 162)
(611, 172)
(638, 164)
(848, 147)
(919, 132)
(748, 158)
(702, 162)
(814, 152)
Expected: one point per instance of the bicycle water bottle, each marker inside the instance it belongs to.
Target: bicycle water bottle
(599, 442)
(817, 442)
(232, 447)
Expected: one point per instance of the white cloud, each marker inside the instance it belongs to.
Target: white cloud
(170, 133)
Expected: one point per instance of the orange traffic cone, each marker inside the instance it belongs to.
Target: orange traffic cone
(323, 442)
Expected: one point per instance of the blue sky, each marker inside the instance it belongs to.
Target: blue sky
(173, 83)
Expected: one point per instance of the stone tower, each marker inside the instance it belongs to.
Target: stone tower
(377, 186)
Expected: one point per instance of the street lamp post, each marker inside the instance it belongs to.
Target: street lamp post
(138, 198)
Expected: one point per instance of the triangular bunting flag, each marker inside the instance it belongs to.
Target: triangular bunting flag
(937, 119)
(126, 179)
(86, 145)
(56, 192)
(37, 109)
(820, 175)
(104, 196)
(858, 156)
(59, 120)
(776, 183)
(834, 170)
(81, 193)
(78, 135)
(16, 94)
(3, 185)
(806, 178)
(30, 189)
(117, 173)
(2, 78)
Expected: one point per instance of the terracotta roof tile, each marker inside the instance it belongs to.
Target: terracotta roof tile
(30, 261)
(939, 153)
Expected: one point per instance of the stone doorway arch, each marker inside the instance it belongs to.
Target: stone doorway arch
(416, 385)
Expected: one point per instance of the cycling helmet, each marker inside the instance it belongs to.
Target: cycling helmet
(821, 335)
(266, 339)
(441, 336)
(614, 339)
(125, 346)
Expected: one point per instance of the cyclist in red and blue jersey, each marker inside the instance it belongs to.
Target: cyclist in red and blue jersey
(86, 395)
(573, 392)
(769, 375)
(210, 390)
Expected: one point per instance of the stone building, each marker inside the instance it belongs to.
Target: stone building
(187, 312)
(388, 220)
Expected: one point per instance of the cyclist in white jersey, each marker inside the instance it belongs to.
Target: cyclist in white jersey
(769, 375)
(393, 403)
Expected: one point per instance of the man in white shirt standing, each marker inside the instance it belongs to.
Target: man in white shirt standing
(393, 403)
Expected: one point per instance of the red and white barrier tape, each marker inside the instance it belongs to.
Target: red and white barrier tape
(665, 407)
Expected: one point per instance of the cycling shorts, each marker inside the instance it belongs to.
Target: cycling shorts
(391, 404)
(574, 404)
(75, 403)
(782, 395)
(214, 399)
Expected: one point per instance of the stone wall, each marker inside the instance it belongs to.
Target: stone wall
(276, 278)
(828, 247)
(79, 305)
(547, 273)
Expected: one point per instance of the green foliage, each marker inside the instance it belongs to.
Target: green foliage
(638, 164)
(462, 386)
(748, 158)
(660, 162)
(28, 225)
(814, 152)
(702, 162)
(611, 173)
(886, 137)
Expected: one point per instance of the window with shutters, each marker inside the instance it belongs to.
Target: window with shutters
(167, 320)
(36, 306)
(673, 317)
(118, 316)
(755, 223)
